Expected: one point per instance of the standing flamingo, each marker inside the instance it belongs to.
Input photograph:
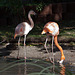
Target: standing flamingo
(24, 28)
(52, 28)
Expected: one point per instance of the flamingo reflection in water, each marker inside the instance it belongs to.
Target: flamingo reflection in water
(62, 71)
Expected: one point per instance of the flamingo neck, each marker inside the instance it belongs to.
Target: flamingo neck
(31, 21)
(59, 47)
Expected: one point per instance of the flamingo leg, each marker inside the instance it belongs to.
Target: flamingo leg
(19, 41)
(18, 46)
(45, 45)
(61, 50)
(25, 54)
(24, 40)
(24, 47)
(52, 48)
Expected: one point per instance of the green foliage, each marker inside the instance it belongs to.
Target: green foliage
(40, 7)
(16, 6)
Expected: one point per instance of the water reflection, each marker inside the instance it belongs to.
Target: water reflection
(25, 70)
(62, 71)
(19, 71)
(32, 67)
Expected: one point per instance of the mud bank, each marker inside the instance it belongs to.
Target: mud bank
(40, 52)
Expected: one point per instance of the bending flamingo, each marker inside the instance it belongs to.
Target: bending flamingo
(24, 28)
(52, 28)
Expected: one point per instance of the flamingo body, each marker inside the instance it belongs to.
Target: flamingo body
(52, 28)
(24, 28)
(27, 28)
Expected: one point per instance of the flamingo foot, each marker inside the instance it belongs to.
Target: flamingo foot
(24, 44)
(51, 60)
(25, 58)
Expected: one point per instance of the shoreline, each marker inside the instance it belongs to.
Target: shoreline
(39, 52)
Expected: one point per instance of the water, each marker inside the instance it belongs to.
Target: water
(33, 67)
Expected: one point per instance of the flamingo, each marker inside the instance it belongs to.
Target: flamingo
(24, 28)
(52, 28)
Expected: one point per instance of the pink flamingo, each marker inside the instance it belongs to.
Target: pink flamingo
(52, 28)
(24, 28)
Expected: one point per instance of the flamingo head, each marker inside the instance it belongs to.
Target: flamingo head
(45, 30)
(32, 12)
(62, 59)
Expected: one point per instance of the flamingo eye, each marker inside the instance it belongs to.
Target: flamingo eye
(47, 32)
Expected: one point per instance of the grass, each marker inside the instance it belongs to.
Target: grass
(6, 32)
(69, 33)
(67, 30)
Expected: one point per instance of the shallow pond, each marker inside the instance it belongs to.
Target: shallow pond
(33, 67)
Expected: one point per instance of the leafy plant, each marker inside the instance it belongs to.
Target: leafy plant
(39, 7)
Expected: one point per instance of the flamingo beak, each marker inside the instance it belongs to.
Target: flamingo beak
(15, 36)
(43, 32)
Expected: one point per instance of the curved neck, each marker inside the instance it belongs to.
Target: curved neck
(31, 21)
(59, 47)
